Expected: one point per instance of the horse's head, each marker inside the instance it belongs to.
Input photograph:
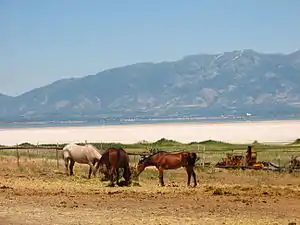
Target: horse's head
(142, 164)
(185, 158)
(99, 165)
(188, 158)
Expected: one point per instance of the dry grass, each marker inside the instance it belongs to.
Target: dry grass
(40, 193)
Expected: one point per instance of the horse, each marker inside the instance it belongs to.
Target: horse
(115, 159)
(86, 154)
(166, 161)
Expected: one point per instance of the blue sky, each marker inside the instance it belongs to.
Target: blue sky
(43, 41)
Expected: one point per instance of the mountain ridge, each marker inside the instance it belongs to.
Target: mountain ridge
(225, 83)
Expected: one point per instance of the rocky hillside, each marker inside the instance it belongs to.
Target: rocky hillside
(228, 83)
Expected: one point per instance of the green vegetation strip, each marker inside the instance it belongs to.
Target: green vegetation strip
(172, 146)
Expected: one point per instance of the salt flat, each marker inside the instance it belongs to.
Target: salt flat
(234, 132)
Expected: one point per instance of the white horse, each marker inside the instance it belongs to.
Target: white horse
(86, 154)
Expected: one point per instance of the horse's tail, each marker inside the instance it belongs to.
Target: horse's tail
(118, 154)
(125, 164)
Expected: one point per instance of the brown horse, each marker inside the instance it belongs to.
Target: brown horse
(114, 159)
(166, 161)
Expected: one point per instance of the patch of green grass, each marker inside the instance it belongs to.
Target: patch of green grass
(166, 143)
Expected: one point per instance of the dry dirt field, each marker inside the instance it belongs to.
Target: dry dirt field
(38, 193)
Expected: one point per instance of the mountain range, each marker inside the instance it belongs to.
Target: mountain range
(204, 85)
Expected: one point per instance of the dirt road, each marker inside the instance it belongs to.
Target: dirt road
(220, 198)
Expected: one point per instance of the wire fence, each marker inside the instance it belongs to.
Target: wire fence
(279, 154)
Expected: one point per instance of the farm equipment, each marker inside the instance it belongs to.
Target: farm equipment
(246, 160)
(294, 164)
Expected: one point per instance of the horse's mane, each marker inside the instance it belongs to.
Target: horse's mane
(111, 148)
(69, 145)
(153, 154)
(91, 146)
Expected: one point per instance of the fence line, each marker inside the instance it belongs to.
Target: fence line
(270, 149)
(206, 155)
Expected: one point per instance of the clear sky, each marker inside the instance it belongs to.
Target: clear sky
(43, 41)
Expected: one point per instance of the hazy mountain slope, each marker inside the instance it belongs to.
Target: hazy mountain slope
(231, 82)
(4, 102)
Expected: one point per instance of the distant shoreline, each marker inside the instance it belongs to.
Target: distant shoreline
(165, 121)
(272, 131)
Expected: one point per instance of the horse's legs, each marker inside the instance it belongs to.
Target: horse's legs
(117, 176)
(111, 176)
(161, 176)
(194, 176)
(106, 173)
(72, 162)
(91, 164)
(94, 169)
(127, 174)
(190, 171)
(90, 172)
(66, 165)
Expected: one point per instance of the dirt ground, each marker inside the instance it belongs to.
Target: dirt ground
(40, 194)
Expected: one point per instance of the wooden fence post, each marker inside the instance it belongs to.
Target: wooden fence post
(28, 154)
(134, 160)
(278, 157)
(37, 148)
(198, 151)
(18, 155)
(203, 157)
(57, 160)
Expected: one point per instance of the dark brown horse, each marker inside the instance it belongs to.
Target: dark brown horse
(114, 159)
(167, 161)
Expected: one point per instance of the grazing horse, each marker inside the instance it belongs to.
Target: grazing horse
(86, 154)
(166, 161)
(115, 159)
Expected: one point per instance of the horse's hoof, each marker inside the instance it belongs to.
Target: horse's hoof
(122, 184)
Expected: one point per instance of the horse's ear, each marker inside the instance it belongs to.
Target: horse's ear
(142, 157)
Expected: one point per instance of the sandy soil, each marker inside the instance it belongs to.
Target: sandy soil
(46, 196)
(237, 132)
